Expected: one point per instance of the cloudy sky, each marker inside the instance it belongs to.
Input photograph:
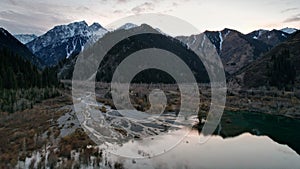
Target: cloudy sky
(38, 16)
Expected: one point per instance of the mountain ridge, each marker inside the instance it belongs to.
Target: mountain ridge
(64, 40)
(25, 38)
(139, 40)
(19, 67)
(236, 49)
(8, 41)
(280, 67)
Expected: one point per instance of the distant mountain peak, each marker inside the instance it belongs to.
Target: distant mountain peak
(25, 38)
(289, 30)
(64, 41)
(9, 42)
(144, 25)
(270, 37)
(95, 25)
(228, 29)
(127, 26)
(83, 23)
(258, 33)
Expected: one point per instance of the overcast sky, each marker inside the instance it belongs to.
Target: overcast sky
(38, 16)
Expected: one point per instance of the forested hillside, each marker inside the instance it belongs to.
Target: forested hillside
(278, 68)
(22, 84)
(18, 73)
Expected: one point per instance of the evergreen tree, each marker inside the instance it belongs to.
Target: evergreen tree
(283, 72)
(18, 73)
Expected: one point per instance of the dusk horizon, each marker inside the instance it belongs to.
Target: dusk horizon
(205, 15)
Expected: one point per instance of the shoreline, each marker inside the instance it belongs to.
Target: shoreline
(261, 100)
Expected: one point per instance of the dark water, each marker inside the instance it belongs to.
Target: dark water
(243, 140)
(283, 130)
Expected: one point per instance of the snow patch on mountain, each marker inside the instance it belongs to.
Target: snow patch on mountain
(202, 43)
(65, 40)
(127, 26)
(190, 43)
(226, 34)
(259, 33)
(221, 40)
(62, 32)
(289, 30)
(194, 39)
(72, 48)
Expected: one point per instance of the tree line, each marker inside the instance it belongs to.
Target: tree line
(15, 73)
(283, 71)
(22, 84)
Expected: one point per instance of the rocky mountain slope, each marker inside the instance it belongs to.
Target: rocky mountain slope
(235, 49)
(135, 43)
(25, 38)
(10, 43)
(289, 30)
(272, 38)
(64, 40)
(280, 67)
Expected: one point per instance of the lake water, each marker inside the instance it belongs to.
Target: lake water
(243, 151)
(283, 130)
(242, 140)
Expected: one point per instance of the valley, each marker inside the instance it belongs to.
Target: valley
(43, 124)
(50, 134)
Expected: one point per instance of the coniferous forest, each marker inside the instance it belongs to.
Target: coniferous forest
(283, 72)
(23, 84)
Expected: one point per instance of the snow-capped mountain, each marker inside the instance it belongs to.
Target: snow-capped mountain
(262, 72)
(289, 30)
(272, 38)
(218, 37)
(235, 49)
(139, 41)
(127, 26)
(258, 33)
(25, 38)
(64, 41)
(238, 50)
